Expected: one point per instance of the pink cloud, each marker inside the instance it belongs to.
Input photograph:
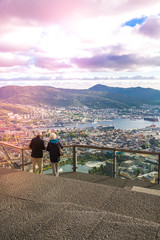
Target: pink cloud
(39, 10)
(129, 62)
(11, 62)
(132, 5)
(58, 11)
(50, 63)
(151, 27)
(9, 47)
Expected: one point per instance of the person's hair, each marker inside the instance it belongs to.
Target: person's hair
(53, 136)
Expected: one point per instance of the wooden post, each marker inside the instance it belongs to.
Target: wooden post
(74, 158)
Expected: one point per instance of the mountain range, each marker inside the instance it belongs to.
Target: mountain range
(98, 96)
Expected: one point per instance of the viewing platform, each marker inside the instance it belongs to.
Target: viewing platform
(76, 206)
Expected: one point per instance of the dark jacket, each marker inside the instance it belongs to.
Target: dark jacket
(37, 146)
(53, 150)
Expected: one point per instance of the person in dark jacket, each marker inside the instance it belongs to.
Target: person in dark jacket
(53, 149)
(37, 146)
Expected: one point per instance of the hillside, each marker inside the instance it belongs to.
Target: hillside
(148, 94)
(98, 96)
(5, 108)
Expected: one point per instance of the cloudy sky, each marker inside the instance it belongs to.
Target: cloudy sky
(79, 43)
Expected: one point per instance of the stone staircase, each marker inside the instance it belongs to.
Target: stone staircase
(36, 206)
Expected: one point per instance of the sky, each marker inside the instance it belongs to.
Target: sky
(80, 43)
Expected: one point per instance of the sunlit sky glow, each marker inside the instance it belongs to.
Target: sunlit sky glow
(80, 43)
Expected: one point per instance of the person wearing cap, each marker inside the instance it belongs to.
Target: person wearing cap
(53, 149)
(37, 146)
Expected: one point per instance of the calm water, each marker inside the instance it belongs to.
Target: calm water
(68, 168)
(124, 124)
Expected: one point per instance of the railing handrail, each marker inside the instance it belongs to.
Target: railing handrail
(91, 147)
(75, 146)
(117, 149)
(10, 145)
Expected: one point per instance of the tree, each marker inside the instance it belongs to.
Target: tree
(144, 146)
(138, 172)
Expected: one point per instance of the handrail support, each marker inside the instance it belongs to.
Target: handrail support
(114, 163)
(159, 169)
(74, 158)
(22, 160)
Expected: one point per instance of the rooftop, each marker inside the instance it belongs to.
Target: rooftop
(77, 206)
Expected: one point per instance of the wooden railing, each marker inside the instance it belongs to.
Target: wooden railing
(74, 151)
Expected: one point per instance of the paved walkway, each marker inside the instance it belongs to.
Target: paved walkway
(36, 206)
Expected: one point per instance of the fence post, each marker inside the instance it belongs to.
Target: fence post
(114, 163)
(74, 158)
(158, 168)
(22, 161)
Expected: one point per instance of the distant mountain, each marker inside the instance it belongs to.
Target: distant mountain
(99, 96)
(148, 94)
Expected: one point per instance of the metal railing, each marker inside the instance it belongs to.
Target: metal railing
(22, 149)
(74, 151)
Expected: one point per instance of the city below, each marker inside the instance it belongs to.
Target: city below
(132, 129)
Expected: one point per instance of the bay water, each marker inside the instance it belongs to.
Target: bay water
(124, 124)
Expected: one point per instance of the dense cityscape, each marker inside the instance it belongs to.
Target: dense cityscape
(85, 126)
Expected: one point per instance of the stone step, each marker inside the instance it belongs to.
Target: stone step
(24, 219)
(45, 207)
(41, 188)
(146, 190)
